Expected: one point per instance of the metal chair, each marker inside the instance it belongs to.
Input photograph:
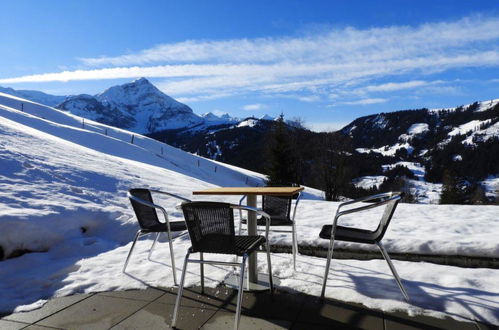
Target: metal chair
(145, 211)
(335, 232)
(279, 209)
(211, 229)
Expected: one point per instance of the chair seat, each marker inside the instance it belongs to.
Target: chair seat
(224, 244)
(161, 227)
(349, 234)
(274, 221)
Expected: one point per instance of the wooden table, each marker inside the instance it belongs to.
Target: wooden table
(251, 193)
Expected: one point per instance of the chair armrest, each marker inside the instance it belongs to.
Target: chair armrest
(296, 204)
(257, 211)
(368, 198)
(146, 203)
(393, 196)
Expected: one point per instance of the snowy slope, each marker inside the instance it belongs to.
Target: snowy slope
(63, 182)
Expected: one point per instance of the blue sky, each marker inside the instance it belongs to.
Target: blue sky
(326, 62)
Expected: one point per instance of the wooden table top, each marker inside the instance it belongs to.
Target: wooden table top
(273, 191)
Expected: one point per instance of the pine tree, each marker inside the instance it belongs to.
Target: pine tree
(451, 193)
(281, 167)
(479, 197)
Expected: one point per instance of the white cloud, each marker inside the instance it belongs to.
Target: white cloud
(390, 87)
(337, 44)
(341, 62)
(253, 107)
(366, 101)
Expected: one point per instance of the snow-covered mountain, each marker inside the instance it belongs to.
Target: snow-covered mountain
(462, 142)
(137, 106)
(35, 96)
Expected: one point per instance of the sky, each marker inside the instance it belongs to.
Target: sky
(325, 62)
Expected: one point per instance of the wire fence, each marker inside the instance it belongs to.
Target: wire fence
(148, 144)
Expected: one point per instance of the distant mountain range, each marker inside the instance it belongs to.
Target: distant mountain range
(138, 106)
(35, 96)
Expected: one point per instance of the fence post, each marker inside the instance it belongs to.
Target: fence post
(133, 136)
(83, 123)
(22, 106)
(246, 180)
(105, 131)
(215, 169)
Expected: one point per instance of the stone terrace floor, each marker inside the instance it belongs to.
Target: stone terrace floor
(152, 309)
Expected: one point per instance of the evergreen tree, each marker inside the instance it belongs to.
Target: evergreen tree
(281, 166)
(451, 193)
(479, 197)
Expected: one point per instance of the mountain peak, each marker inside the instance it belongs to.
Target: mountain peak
(142, 107)
(141, 81)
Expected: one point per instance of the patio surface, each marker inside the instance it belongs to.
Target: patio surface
(152, 308)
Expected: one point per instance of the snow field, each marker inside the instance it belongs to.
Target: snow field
(63, 196)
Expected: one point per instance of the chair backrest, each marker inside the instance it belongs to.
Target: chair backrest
(277, 206)
(387, 214)
(208, 221)
(146, 215)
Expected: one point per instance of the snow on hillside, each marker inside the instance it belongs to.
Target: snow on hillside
(369, 181)
(63, 184)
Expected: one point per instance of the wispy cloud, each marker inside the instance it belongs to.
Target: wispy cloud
(317, 66)
(366, 101)
(254, 107)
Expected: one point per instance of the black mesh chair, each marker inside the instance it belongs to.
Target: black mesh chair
(341, 233)
(145, 211)
(279, 209)
(211, 229)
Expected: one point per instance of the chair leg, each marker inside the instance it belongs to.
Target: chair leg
(240, 222)
(328, 263)
(394, 271)
(201, 265)
(172, 256)
(269, 265)
(180, 290)
(295, 246)
(152, 247)
(131, 250)
(240, 293)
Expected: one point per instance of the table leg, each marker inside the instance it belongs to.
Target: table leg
(252, 261)
(256, 282)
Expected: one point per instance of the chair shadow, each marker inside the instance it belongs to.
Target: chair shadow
(429, 296)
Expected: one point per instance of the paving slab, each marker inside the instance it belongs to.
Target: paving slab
(310, 326)
(483, 326)
(281, 306)
(95, 312)
(39, 327)
(225, 320)
(331, 312)
(213, 298)
(52, 306)
(159, 316)
(152, 308)
(11, 325)
(402, 321)
(148, 294)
